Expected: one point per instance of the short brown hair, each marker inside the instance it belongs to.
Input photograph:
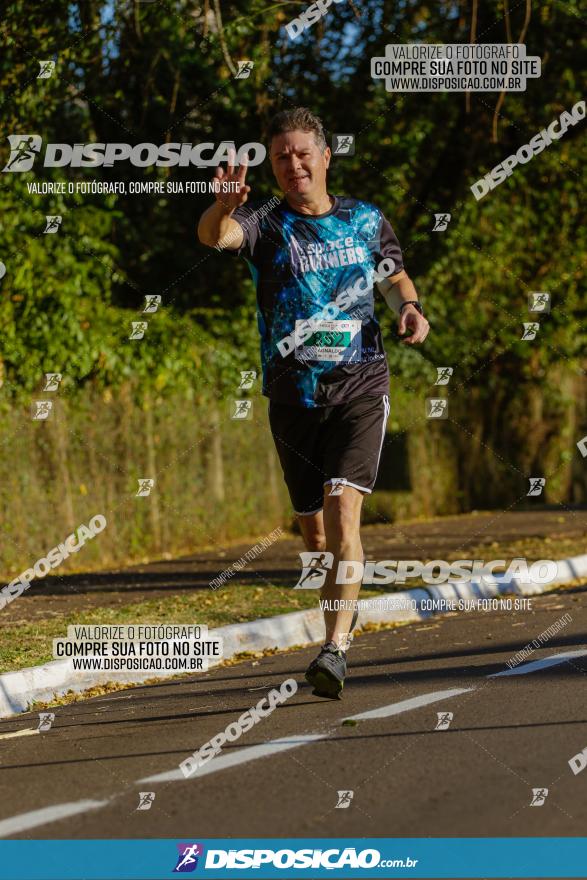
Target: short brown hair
(300, 119)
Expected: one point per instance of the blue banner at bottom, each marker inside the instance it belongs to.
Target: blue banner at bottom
(272, 858)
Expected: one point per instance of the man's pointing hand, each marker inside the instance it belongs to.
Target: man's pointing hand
(229, 187)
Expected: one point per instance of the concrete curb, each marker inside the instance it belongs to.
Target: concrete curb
(43, 683)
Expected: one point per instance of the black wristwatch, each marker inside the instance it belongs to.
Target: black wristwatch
(412, 302)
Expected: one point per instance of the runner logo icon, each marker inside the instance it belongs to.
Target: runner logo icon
(539, 301)
(242, 409)
(343, 144)
(24, 148)
(152, 302)
(315, 565)
(244, 69)
(52, 381)
(145, 487)
(441, 222)
(443, 375)
(146, 799)
(46, 69)
(46, 719)
(247, 379)
(138, 329)
(42, 409)
(444, 719)
(337, 485)
(53, 222)
(530, 330)
(344, 799)
(436, 408)
(537, 484)
(187, 860)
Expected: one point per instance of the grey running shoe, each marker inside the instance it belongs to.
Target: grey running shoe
(326, 673)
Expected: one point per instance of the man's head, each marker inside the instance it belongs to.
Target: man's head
(299, 154)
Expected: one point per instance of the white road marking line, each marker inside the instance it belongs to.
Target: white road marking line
(407, 705)
(47, 815)
(276, 746)
(248, 753)
(540, 664)
(28, 731)
(17, 824)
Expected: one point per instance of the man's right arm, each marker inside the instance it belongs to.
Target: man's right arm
(216, 227)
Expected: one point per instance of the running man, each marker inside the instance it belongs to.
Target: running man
(315, 259)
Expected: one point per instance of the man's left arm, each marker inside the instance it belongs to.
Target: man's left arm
(396, 287)
(399, 289)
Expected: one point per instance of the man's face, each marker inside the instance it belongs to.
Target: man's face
(299, 164)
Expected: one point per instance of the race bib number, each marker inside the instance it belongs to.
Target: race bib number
(335, 341)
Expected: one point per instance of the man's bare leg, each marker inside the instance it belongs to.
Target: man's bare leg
(312, 529)
(342, 522)
(336, 529)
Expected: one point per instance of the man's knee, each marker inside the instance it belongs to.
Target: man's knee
(342, 514)
(315, 542)
(312, 529)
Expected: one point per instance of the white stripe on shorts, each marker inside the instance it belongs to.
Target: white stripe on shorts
(386, 409)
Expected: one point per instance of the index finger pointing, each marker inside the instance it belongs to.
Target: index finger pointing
(231, 161)
(242, 171)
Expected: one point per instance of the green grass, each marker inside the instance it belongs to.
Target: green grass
(30, 643)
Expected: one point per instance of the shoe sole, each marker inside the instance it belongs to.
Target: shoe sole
(324, 684)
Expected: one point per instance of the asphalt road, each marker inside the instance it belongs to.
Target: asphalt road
(279, 563)
(510, 733)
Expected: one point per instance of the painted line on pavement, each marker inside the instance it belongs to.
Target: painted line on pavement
(252, 753)
(407, 705)
(544, 663)
(248, 753)
(27, 731)
(46, 815)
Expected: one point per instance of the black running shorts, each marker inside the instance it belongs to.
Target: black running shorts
(325, 445)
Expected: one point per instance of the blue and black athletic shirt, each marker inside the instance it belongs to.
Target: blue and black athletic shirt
(320, 342)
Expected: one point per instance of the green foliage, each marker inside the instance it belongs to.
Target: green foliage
(164, 72)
